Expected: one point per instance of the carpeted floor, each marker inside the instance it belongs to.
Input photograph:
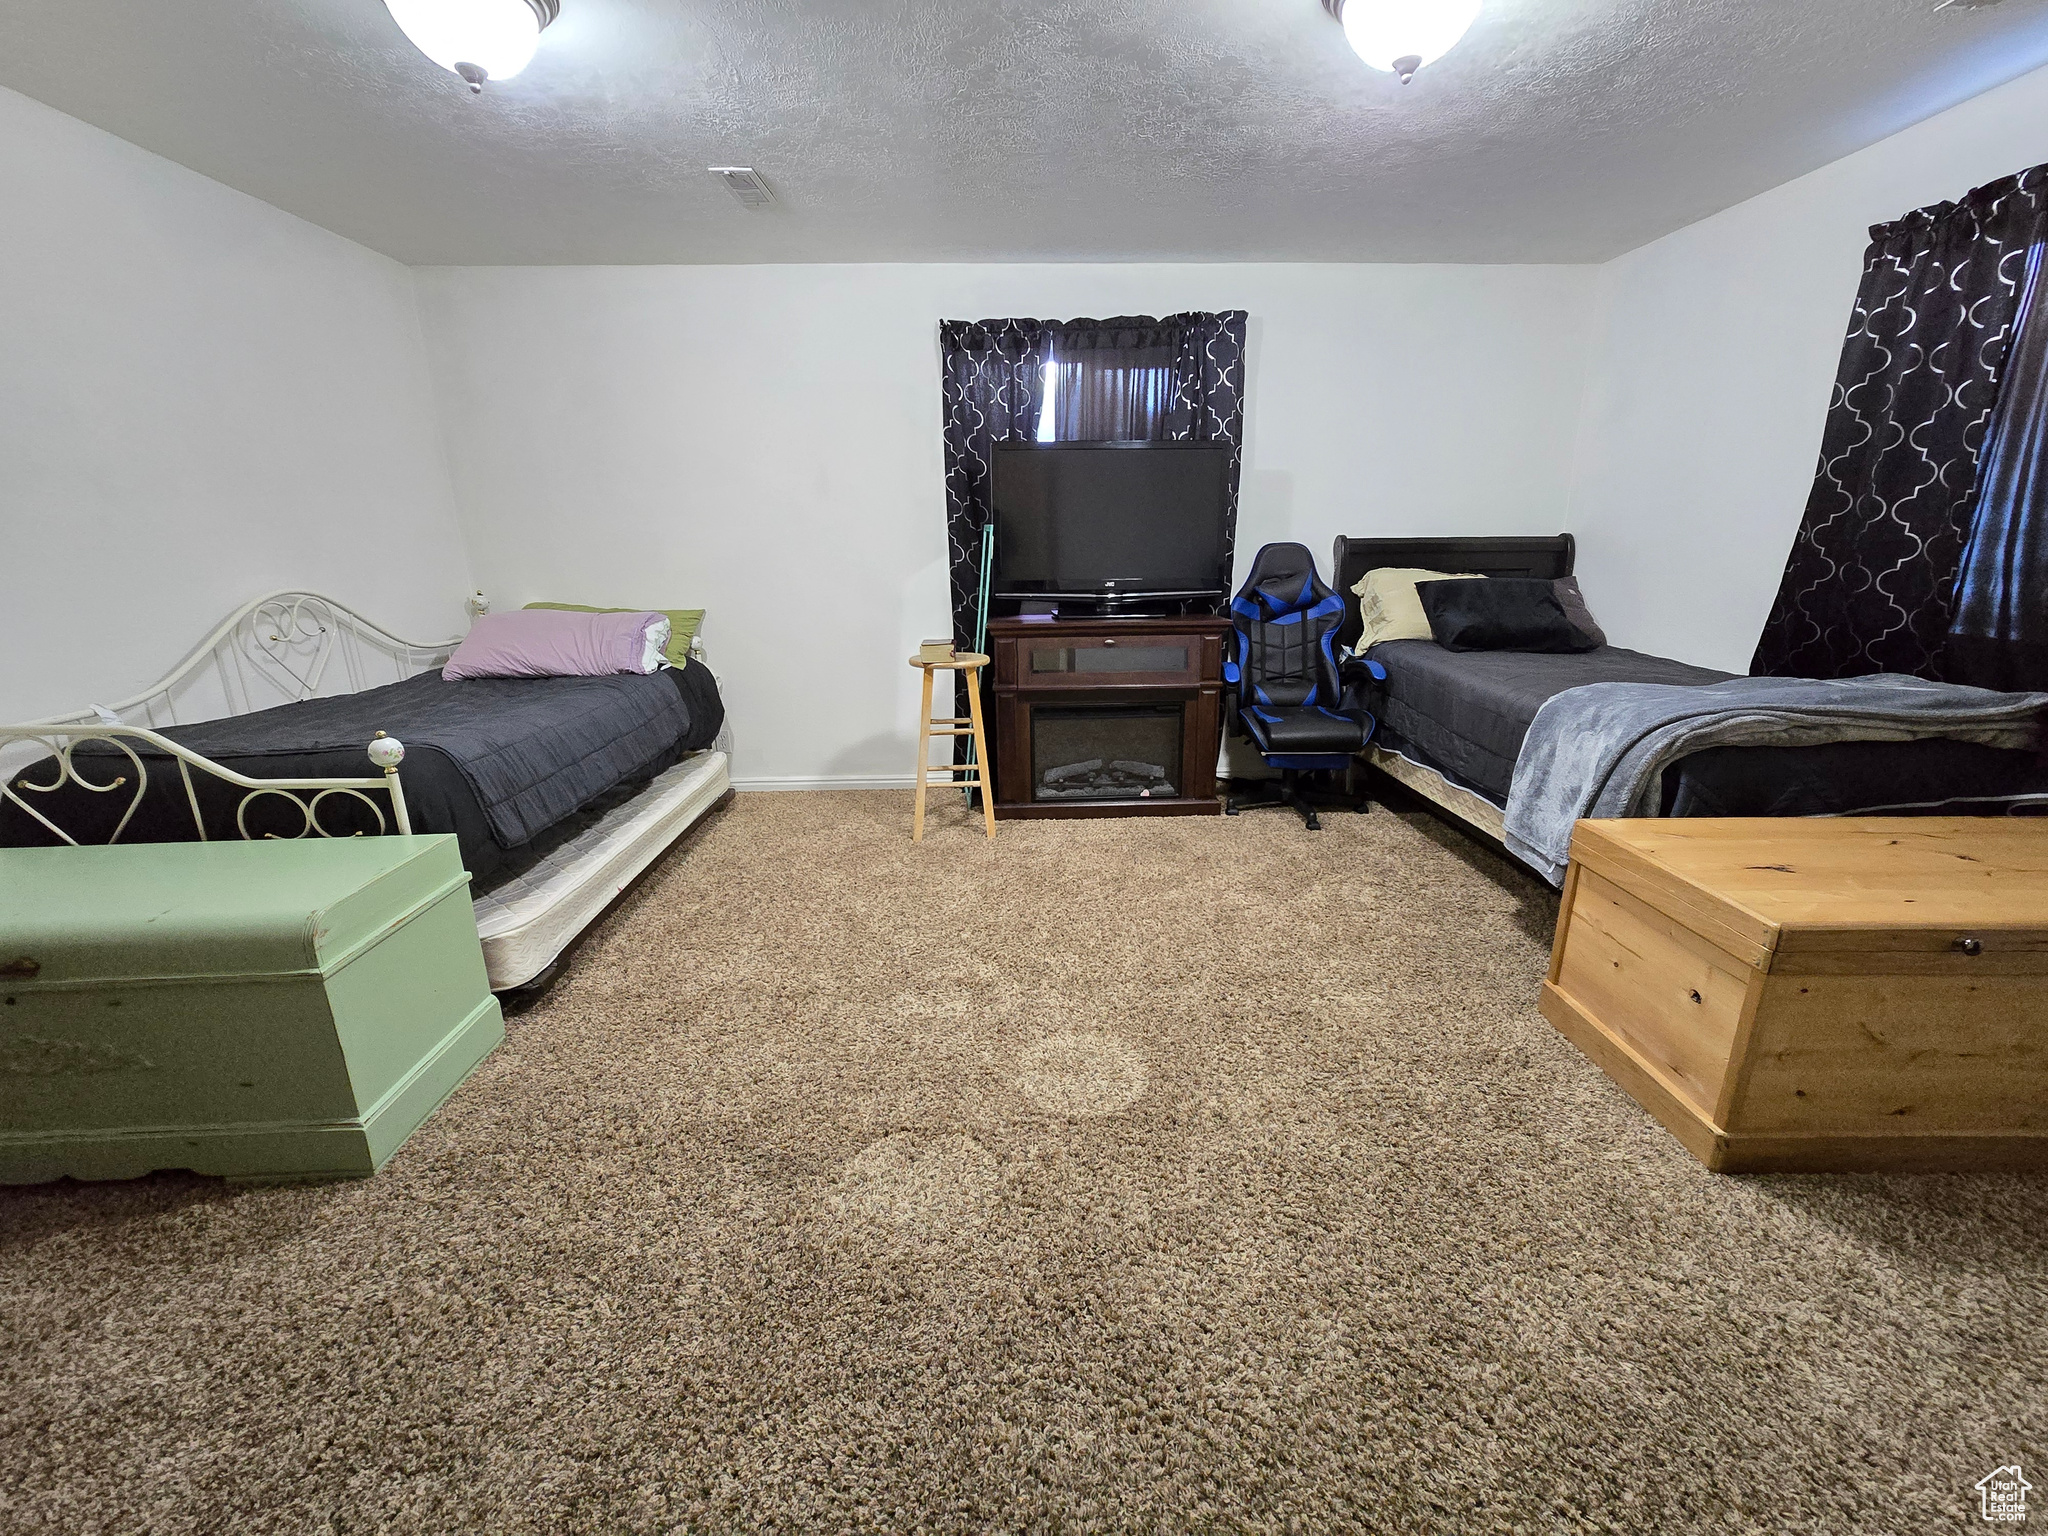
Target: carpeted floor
(1124, 1176)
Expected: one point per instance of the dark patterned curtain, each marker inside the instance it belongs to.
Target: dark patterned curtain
(992, 375)
(1129, 379)
(1870, 585)
(2000, 635)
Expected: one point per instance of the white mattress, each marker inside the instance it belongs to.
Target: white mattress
(526, 922)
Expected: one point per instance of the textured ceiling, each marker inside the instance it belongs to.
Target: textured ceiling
(1029, 130)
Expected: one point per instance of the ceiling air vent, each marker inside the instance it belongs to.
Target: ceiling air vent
(745, 183)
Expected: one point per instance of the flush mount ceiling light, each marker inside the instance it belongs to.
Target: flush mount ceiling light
(478, 39)
(1400, 36)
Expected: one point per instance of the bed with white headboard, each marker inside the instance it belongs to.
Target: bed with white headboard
(298, 717)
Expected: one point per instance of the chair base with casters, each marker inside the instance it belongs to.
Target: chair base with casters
(1302, 707)
(1290, 791)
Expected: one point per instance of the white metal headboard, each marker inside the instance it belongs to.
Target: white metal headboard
(282, 644)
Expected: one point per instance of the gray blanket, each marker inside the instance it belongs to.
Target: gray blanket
(1469, 710)
(1600, 751)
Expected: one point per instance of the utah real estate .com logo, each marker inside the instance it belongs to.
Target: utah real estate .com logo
(2002, 1495)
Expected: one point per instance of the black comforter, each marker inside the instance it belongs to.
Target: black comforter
(1469, 710)
(503, 763)
(1465, 714)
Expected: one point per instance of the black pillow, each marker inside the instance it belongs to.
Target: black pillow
(1575, 609)
(1500, 613)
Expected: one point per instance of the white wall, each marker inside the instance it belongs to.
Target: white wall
(1713, 363)
(764, 442)
(204, 397)
(201, 398)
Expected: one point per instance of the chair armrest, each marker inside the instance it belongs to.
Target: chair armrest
(1360, 677)
(1355, 667)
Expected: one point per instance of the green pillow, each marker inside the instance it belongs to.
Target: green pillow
(683, 624)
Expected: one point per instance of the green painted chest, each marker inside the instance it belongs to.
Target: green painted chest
(271, 1010)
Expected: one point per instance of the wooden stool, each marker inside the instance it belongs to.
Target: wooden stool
(955, 725)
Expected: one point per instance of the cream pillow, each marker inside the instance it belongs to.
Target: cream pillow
(1389, 607)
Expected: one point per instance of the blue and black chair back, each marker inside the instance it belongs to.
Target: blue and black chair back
(1291, 693)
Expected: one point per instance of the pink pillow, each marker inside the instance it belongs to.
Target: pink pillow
(551, 642)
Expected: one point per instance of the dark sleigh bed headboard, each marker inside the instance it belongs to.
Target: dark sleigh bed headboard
(1546, 556)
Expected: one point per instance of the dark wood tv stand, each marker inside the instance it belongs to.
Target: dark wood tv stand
(1107, 716)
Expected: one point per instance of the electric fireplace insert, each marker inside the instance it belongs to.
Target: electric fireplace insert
(1105, 752)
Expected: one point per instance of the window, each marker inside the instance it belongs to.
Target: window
(1106, 397)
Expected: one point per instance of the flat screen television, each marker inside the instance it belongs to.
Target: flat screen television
(1104, 519)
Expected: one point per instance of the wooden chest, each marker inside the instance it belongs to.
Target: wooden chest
(1823, 995)
(268, 1010)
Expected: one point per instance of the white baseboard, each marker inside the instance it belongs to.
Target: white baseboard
(904, 781)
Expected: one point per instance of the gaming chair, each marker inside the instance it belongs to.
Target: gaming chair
(1304, 711)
